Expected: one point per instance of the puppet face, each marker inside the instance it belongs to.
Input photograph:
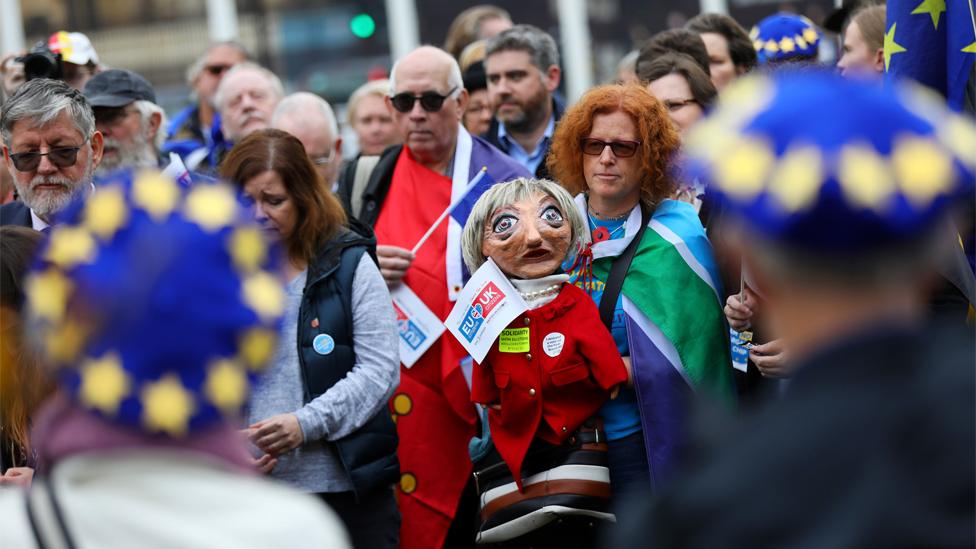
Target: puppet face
(529, 238)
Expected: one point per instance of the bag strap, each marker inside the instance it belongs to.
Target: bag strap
(45, 516)
(618, 271)
(364, 169)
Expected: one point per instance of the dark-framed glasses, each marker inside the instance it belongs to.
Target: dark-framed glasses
(620, 149)
(430, 101)
(62, 157)
(217, 70)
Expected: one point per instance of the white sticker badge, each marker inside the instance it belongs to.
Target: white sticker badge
(553, 343)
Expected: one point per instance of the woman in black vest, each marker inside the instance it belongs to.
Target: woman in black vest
(319, 420)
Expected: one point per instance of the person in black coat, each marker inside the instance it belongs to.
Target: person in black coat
(873, 440)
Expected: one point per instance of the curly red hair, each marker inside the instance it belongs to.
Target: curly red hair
(659, 140)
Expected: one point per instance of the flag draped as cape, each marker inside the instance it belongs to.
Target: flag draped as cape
(676, 330)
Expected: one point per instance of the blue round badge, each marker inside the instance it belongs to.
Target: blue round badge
(323, 344)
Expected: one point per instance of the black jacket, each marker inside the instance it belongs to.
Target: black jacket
(491, 136)
(368, 454)
(873, 444)
(15, 213)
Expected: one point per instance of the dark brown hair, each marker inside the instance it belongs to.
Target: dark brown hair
(741, 50)
(319, 214)
(700, 84)
(674, 40)
(659, 139)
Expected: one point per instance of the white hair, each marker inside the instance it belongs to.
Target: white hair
(146, 110)
(271, 77)
(299, 104)
(455, 80)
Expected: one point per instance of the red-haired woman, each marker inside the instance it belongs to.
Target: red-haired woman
(320, 416)
(614, 150)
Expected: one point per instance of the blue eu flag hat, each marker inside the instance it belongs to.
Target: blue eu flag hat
(155, 305)
(784, 36)
(830, 165)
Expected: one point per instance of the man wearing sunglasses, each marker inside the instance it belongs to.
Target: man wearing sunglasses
(50, 147)
(312, 120)
(411, 185)
(191, 132)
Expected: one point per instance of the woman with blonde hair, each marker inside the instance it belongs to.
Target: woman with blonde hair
(864, 43)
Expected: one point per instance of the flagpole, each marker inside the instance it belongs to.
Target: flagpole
(430, 231)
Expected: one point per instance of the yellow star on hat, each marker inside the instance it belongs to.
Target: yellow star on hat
(211, 206)
(742, 172)
(248, 249)
(104, 383)
(256, 346)
(167, 406)
(922, 169)
(105, 212)
(864, 177)
(796, 179)
(226, 385)
(70, 246)
(156, 194)
(47, 294)
(263, 294)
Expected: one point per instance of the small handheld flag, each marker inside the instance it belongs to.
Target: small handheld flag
(461, 208)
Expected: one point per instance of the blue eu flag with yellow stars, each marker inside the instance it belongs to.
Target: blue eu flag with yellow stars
(933, 42)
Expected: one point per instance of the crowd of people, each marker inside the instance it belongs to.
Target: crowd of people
(748, 299)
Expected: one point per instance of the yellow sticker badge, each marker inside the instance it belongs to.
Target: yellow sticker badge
(514, 340)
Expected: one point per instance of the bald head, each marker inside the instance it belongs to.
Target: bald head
(431, 135)
(431, 61)
(310, 118)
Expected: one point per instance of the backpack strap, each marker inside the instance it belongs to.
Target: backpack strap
(618, 271)
(46, 517)
(364, 169)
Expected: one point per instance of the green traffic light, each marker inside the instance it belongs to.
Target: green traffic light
(362, 25)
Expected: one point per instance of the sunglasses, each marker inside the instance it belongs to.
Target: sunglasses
(62, 157)
(217, 70)
(621, 149)
(430, 101)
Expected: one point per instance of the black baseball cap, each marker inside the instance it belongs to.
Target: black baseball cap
(118, 88)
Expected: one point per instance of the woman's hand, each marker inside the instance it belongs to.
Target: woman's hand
(18, 476)
(394, 262)
(265, 464)
(277, 435)
(770, 358)
(739, 309)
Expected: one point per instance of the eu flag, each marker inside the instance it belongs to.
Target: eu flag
(933, 42)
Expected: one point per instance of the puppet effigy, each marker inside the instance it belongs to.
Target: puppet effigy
(548, 373)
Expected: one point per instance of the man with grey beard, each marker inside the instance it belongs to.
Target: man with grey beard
(50, 147)
(126, 114)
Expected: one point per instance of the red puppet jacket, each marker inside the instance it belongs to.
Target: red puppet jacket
(550, 370)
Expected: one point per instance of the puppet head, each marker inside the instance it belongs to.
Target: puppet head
(528, 227)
